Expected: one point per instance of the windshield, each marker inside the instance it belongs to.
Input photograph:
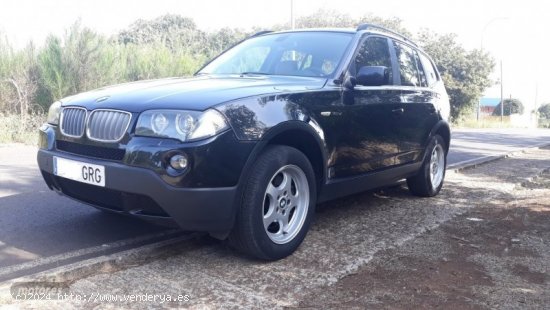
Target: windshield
(311, 54)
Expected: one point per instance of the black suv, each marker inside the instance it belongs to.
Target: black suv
(246, 148)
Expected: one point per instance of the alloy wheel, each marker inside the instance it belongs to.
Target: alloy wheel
(286, 203)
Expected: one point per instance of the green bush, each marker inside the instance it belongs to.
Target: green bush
(544, 111)
(21, 129)
(511, 106)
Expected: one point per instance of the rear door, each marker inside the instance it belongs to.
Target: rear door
(417, 101)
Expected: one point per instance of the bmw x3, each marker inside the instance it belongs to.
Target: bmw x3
(247, 147)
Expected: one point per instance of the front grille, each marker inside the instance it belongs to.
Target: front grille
(100, 196)
(108, 125)
(73, 121)
(90, 151)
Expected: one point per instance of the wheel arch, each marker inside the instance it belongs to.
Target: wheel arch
(443, 129)
(303, 139)
(306, 137)
(300, 135)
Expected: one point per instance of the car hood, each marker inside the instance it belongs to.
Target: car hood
(196, 93)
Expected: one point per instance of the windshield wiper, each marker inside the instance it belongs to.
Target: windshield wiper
(253, 73)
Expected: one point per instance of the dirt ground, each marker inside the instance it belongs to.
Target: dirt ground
(494, 256)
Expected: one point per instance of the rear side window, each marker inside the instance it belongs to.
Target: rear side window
(374, 52)
(421, 73)
(429, 70)
(407, 65)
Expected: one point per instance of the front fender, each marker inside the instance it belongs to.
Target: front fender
(251, 118)
(269, 119)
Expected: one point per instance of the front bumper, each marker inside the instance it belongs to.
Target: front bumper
(142, 193)
(146, 193)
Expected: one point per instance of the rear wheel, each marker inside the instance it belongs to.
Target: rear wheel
(278, 204)
(429, 180)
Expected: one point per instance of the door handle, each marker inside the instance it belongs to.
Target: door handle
(330, 113)
(398, 111)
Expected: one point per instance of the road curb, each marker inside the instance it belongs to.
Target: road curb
(113, 262)
(166, 248)
(68, 258)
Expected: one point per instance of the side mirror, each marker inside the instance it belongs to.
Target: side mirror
(373, 76)
(350, 82)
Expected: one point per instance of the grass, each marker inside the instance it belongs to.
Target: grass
(486, 122)
(494, 122)
(17, 129)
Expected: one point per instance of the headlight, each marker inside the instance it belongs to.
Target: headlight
(181, 125)
(53, 113)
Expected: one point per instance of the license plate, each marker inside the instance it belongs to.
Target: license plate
(79, 171)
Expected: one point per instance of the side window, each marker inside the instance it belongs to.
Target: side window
(374, 52)
(407, 65)
(429, 70)
(421, 72)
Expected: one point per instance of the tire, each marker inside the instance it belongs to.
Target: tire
(426, 183)
(269, 208)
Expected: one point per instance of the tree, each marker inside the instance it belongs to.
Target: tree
(544, 111)
(222, 39)
(18, 78)
(163, 28)
(330, 18)
(465, 73)
(54, 72)
(75, 63)
(174, 31)
(511, 106)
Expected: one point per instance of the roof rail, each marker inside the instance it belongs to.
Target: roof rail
(384, 29)
(260, 33)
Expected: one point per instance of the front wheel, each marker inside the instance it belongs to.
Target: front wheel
(429, 180)
(278, 204)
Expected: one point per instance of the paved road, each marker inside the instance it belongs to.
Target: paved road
(39, 228)
(469, 144)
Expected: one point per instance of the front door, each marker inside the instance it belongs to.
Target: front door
(370, 115)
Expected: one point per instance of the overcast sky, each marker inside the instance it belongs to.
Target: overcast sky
(515, 31)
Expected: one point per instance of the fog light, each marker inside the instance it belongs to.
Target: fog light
(178, 162)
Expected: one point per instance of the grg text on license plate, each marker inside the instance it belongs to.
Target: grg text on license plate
(79, 171)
